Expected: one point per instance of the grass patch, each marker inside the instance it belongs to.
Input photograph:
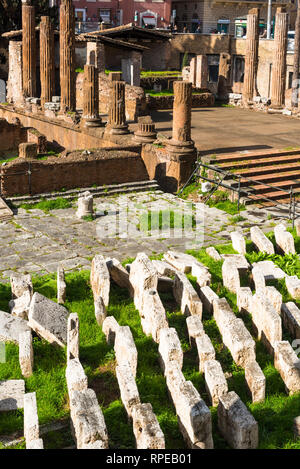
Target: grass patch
(48, 205)
(165, 219)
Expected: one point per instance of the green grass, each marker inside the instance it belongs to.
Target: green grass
(165, 219)
(274, 415)
(153, 73)
(48, 205)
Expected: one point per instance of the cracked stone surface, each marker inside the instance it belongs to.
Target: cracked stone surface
(37, 242)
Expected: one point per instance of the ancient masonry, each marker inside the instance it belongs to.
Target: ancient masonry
(117, 119)
(67, 56)
(251, 57)
(47, 69)
(91, 97)
(29, 49)
(279, 68)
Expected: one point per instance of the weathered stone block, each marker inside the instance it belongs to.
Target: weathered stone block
(256, 381)
(100, 281)
(85, 205)
(274, 296)
(288, 365)
(61, 285)
(223, 314)
(238, 340)
(290, 314)
(11, 327)
(100, 310)
(244, 299)
(128, 388)
(75, 376)
(146, 429)
(48, 319)
(31, 420)
(238, 260)
(169, 348)
(238, 242)
(297, 226)
(269, 270)
(186, 296)
(109, 328)
(207, 296)
(260, 240)
(213, 253)
(73, 337)
(235, 422)
(215, 381)
(153, 314)
(284, 239)
(164, 268)
(195, 328)
(87, 419)
(143, 276)
(258, 278)
(205, 350)
(293, 286)
(19, 307)
(20, 284)
(296, 427)
(125, 348)
(118, 273)
(35, 444)
(28, 150)
(266, 319)
(26, 354)
(12, 394)
(231, 277)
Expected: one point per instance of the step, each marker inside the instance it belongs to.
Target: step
(276, 195)
(253, 155)
(267, 170)
(262, 161)
(272, 178)
(281, 185)
(113, 189)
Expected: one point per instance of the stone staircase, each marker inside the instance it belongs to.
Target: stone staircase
(258, 171)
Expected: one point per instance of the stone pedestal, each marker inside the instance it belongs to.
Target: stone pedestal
(251, 58)
(47, 67)
(224, 75)
(29, 49)
(28, 150)
(201, 71)
(181, 142)
(117, 119)
(67, 56)
(192, 77)
(95, 55)
(146, 132)
(91, 97)
(15, 81)
(279, 65)
(85, 205)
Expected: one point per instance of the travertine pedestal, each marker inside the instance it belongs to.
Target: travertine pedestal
(279, 65)
(67, 56)
(47, 67)
(146, 132)
(201, 71)
(117, 119)
(251, 58)
(29, 49)
(91, 97)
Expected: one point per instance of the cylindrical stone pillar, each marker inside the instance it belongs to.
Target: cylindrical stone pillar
(146, 132)
(182, 113)
(117, 118)
(224, 75)
(47, 67)
(29, 49)
(279, 65)
(67, 56)
(91, 97)
(251, 58)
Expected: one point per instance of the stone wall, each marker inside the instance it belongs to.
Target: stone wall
(166, 102)
(11, 135)
(75, 170)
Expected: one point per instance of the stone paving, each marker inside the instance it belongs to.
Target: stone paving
(37, 242)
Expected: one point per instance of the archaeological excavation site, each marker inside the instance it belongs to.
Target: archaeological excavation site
(149, 228)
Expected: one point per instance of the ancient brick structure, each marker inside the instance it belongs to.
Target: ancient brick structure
(29, 49)
(91, 97)
(181, 137)
(224, 75)
(47, 67)
(279, 65)
(251, 57)
(67, 56)
(95, 55)
(117, 119)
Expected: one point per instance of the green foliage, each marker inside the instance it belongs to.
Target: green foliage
(48, 205)
(165, 219)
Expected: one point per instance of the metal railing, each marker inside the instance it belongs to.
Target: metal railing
(293, 214)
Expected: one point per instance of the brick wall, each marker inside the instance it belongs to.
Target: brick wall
(75, 170)
(11, 136)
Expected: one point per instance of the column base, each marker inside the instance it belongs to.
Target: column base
(118, 129)
(180, 148)
(92, 122)
(141, 137)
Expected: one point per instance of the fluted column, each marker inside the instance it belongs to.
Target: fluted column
(67, 56)
(29, 49)
(47, 66)
(182, 113)
(91, 97)
(117, 119)
(279, 65)
(146, 132)
(251, 57)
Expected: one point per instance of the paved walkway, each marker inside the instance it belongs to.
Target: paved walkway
(36, 242)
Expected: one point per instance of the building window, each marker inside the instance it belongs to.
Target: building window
(223, 25)
(213, 68)
(104, 15)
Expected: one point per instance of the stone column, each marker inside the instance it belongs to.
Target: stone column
(224, 75)
(146, 132)
(251, 57)
(117, 119)
(192, 78)
(47, 67)
(181, 137)
(91, 97)
(279, 65)
(67, 56)
(29, 49)
(15, 82)
(201, 71)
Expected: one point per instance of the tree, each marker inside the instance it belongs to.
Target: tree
(11, 13)
(295, 84)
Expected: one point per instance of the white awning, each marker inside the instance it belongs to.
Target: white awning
(149, 20)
